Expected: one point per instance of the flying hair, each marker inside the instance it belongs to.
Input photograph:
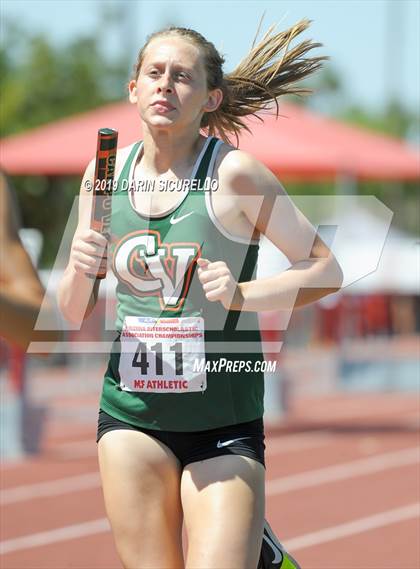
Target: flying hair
(271, 69)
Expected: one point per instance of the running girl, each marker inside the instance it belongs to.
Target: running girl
(177, 444)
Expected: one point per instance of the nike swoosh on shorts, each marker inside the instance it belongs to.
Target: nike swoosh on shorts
(226, 443)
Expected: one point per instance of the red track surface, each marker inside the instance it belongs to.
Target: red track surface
(342, 490)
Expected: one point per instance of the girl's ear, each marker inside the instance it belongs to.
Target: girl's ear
(132, 91)
(214, 100)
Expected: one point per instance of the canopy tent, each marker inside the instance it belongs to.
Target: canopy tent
(298, 145)
(373, 255)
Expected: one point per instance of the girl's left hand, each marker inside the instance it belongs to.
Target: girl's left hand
(219, 284)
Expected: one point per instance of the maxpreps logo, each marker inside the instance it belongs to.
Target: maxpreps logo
(152, 268)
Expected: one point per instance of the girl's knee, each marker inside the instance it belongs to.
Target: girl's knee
(149, 548)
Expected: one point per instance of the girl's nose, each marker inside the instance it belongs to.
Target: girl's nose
(165, 84)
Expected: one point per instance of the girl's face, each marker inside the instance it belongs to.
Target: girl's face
(171, 89)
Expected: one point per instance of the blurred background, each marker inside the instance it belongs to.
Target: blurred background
(344, 360)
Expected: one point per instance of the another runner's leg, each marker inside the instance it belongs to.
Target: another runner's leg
(273, 554)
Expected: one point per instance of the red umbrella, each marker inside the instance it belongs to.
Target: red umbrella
(299, 144)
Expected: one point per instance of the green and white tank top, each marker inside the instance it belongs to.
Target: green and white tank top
(166, 371)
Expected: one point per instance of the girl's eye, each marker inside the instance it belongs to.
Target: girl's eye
(179, 74)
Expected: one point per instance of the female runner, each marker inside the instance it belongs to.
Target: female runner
(180, 433)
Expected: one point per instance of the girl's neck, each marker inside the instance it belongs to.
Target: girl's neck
(165, 151)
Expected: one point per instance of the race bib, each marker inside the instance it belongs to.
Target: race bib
(159, 355)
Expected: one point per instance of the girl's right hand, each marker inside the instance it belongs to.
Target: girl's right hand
(88, 252)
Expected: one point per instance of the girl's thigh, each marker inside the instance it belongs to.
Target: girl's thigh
(141, 485)
(223, 502)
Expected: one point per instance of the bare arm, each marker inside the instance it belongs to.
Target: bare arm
(77, 292)
(314, 272)
(21, 291)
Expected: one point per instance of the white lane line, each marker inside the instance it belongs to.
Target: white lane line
(301, 480)
(342, 471)
(53, 536)
(92, 479)
(356, 526)
(306, 479)
(51, 488)
(294, 544)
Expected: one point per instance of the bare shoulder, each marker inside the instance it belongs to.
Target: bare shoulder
(243, 174)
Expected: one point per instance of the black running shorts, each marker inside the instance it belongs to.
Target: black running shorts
(244, 439)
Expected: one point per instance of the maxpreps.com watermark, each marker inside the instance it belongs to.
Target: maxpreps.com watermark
(233, 366)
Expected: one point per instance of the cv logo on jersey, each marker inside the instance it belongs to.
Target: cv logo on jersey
(150, 267)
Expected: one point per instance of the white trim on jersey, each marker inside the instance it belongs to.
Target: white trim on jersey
(210, 210)
(178, 204)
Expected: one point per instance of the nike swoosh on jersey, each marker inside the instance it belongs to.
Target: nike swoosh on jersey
(174, 220)
(226, 443)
